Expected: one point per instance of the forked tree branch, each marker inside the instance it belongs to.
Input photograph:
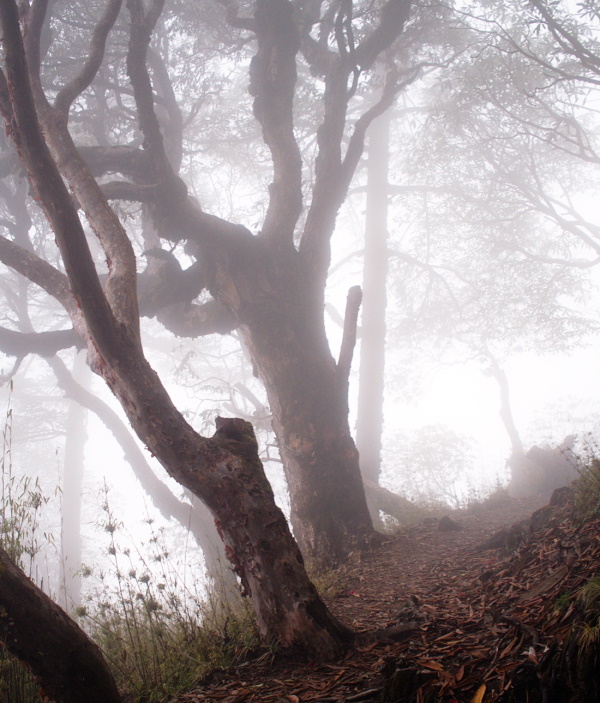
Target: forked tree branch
(51, 190)
(120, 287)
(344, 364)
(46, 344)
(272, 83)
(332, 172)
(83, 79)
(142, 25)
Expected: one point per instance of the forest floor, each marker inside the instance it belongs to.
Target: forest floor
(477, 615)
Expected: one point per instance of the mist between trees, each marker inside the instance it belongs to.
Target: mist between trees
(192, 193)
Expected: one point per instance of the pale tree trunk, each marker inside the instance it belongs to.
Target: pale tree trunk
(74, 462)
(506, 412)
(369, 422)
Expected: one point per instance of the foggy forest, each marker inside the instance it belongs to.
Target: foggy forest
(299, 343)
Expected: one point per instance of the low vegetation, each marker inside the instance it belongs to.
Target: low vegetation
(162, 635)
(587, 493)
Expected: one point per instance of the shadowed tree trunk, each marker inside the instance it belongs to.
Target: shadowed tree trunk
(67, 664)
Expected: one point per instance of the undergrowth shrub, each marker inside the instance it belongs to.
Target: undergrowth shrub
(586, 501)
(21, 500)
(160, 634)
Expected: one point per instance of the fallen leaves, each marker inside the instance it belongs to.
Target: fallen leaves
(483, 615)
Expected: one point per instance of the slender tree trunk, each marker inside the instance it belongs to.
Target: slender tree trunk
(505, 406)
(65, 661)
(70, 578)
(369, 423)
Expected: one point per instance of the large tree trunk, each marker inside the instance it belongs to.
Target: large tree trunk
(65, 661)
(306, 391)
(369, 421)
(226, 473)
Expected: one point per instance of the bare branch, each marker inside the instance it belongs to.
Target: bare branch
(394, 15)
(272, 83)
(38, 271)
(69, 92)
(174, 129)
(141, 30)
(344, 364)
(46, 344)
(50, 188)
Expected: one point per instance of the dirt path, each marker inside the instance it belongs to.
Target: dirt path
(422, 562)
(434, 566)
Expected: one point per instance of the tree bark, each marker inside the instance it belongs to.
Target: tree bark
(369, 421)
(67, 664)
(306, 392)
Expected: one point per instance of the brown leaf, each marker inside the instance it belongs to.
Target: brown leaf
(429, 664)
(478, 697)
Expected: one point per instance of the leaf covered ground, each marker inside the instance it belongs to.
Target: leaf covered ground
(480, 613)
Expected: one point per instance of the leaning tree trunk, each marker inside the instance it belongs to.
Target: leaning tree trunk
(369, 421)
(516, 444)
(227, 474)
(67, 664)
(224, 471)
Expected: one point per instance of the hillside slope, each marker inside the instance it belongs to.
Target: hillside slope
(467, 615)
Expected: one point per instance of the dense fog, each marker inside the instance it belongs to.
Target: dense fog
(224, 174)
